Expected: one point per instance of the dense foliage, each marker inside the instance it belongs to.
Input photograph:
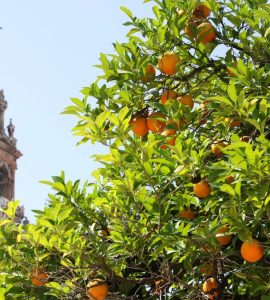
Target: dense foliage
(128, 227)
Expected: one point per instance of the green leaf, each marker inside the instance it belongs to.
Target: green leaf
(186, 229)
(127, 12)
(254, 123)
(119, 71)
(165, 170)
(100, 202)
(42, 240)
(156, 12)
(238, 188)
(46, 223)
(244, 234)
(102, 118)
(226, 188)
(240, 275)
(148, 168)
(241, 67)
(267, 32)
(239, 162)
(2, 293)
(262, 14)
(11, 209)
(151, 205)
(106, 65)
(161, 34)
(64, 214)
(116, 236)
(4, 222)
(78, 102)
(132, 31)
(123, 113)
(232, 92)
(221, 99)
(54, 285)
(114, 119)
(237, 145)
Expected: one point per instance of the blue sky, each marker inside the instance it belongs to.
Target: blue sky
(48, 49)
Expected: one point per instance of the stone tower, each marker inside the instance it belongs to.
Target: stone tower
(8, 162)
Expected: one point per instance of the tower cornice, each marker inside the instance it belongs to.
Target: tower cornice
(8, 160)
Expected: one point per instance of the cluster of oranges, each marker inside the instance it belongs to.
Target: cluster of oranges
(197, 27)
(97, 288)
(168, 65)
(202, 31)
(251, 251)
(156, 122)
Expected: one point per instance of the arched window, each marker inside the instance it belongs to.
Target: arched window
(3, 173)
(4, 182)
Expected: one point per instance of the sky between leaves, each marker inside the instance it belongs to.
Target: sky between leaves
(48, 49)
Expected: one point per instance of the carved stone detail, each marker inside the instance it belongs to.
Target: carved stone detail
(3, 102)
(8, 162)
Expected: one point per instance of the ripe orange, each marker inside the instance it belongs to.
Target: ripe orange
(187, 213)
(202, 189)
(232, 122)
(150, 73)
(252, 251)
(171, 140)
(39, 277)
(191, 28)
(187, 100)
(139, 126)
(168, 63)
(209, 287)
(98, 289)
(154, 124)
(223, 239)
(229, 179)
(217, 148)
(206, 33)
(168, 94)
(202, 11)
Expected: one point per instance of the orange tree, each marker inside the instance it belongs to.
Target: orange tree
(180, 211)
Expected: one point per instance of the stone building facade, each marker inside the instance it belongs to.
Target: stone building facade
(8, 163)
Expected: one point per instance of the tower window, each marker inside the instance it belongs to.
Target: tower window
(2, 174)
